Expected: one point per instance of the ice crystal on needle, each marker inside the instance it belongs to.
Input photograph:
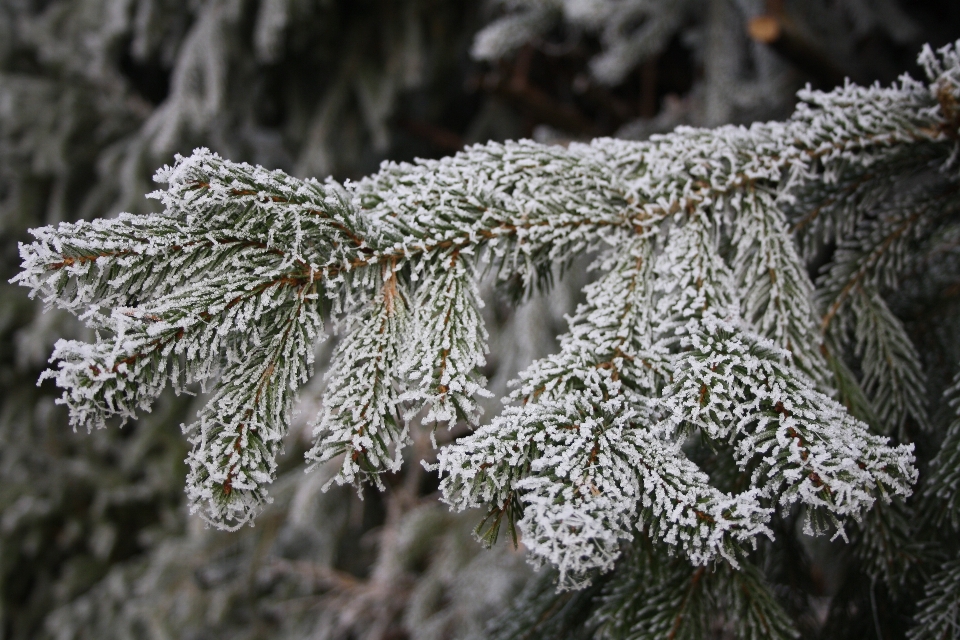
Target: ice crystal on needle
(703, 322)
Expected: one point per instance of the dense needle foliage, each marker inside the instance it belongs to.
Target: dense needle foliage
(707, 389)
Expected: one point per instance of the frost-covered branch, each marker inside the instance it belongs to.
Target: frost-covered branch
(704, 320)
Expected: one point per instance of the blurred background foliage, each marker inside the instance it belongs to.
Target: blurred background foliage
(95, 95)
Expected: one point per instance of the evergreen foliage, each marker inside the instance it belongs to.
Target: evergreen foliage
(703, 336)
(94, 96)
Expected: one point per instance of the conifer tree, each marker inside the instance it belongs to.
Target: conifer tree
(710, 401)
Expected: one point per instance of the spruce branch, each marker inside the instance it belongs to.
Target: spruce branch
(359, 418)
(239, 433)
(776, 291)
(941, 490)
(449, 344)
(939, 611)
(893, 377)
(886, 546)
(875, 257)
(654, 597)
(732, 386)
(581, 452)
(702, 321)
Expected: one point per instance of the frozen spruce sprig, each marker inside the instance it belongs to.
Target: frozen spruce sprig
(359, 417)
(798, 444)
(703, 320)
(581, 455)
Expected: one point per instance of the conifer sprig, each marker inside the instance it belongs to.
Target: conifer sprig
(656, 597)
(703, 320)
